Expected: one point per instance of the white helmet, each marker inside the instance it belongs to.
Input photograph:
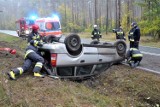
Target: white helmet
(95, 26)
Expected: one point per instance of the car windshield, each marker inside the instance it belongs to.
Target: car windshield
(52, 26)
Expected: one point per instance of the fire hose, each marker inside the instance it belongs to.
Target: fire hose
(11, 51)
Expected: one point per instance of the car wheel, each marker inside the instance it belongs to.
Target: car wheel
(121, 48)
(50, 39)
(73, 44)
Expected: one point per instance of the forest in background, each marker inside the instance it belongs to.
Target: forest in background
(81, 15)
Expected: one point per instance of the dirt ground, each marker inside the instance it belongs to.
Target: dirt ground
(119, 86)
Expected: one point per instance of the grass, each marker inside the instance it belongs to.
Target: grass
(145, 41)
(13, 43)
(4, 99)
(148, 41)
(130, 87)
(7, 38)
(120, 86)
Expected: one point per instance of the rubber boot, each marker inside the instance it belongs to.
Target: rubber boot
(11, 75)
(37, 74)
(137, 64)
(131, 63)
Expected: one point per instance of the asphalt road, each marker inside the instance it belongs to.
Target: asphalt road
(151, 58)
(150, 50)
(150, 61)
(9, 32)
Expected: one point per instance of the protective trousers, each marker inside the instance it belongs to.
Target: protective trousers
(134, 44)
(30, 57)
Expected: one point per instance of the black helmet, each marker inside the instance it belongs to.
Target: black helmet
(134, 24)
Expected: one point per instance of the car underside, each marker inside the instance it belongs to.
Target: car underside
(69, 57)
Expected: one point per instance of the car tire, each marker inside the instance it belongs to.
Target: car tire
(50, 39)
(73, 44)
(121, 48)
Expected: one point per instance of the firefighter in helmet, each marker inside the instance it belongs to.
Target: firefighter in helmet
(134, 57)
(96, 34)
(119, 33)
(31, 55)
(134, 36)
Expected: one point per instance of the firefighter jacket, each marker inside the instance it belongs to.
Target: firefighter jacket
(120, 34)
(134, 34)
(135, 53)
(96, 32)
(34, 40)
(34, 36)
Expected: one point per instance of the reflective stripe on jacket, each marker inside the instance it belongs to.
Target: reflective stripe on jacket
(135, 53)
(27, 53)
(119, 33)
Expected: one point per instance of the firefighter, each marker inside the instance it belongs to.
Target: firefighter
(96, 34)
(120, 33)
(134, 57)
(31, 55)
(134, 36)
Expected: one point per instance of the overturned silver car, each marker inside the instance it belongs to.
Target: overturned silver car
(71, 57)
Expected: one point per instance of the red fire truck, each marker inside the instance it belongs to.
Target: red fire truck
(24, 26)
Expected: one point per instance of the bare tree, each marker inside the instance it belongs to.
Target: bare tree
(107, 10)
(78, 12)
(96, 14)
(119, 13)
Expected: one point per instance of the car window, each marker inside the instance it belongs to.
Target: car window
(84, 70)
(65, 71)
(52, 26)
(101, 67)
(41, 25)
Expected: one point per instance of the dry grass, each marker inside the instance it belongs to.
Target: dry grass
(145, 41)
(119, 86)
(129, 87)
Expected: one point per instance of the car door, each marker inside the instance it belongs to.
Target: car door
(106, 54)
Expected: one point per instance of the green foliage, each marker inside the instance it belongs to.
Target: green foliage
(61, 10)
(124, 23)
(125, 20)
(151, 28)
(111, 25)
(150, 25)
(72, 27)
(66, 20)
(88, 30)
(7, 38)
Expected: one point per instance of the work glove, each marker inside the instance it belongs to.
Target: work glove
(40, 44)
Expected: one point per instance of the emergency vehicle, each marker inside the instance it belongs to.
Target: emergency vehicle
(23, 26)
(49, 27)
